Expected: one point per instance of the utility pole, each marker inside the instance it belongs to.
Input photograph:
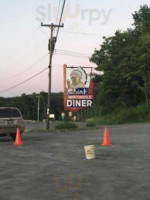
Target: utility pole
(38, 110)
(51, 48)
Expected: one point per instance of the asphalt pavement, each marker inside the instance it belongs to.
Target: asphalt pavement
(52, 166)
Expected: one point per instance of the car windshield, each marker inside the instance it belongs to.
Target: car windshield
(9, 112)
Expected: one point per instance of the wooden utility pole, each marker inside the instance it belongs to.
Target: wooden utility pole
(52, 42)
(38, 110)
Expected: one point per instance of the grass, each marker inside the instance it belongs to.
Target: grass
(90, 123)
(67, 125)
(137, 114)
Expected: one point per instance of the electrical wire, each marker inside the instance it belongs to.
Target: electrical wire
(45, 34)
(58, 10)
(29, 38)
(21, 47)
(63, 6)
(30, 67)
(5, 90)
(81, 33)
(31, 35)
(72, 55)
(72, 52)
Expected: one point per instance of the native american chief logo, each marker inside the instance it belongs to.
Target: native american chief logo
(78, 79)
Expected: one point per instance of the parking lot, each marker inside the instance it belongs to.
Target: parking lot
(53, 165)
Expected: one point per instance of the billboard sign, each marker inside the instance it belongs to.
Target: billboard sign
(78, 88)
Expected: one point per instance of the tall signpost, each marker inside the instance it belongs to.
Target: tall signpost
(38, 109)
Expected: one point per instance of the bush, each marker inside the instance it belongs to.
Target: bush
(90, 123)
(65, 126)
(141, 113)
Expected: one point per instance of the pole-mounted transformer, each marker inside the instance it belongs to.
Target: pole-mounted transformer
(53, 44)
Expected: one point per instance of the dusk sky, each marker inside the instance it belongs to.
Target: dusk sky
(24, 43)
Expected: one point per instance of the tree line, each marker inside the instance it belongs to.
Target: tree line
(124, 63)
(28, 104)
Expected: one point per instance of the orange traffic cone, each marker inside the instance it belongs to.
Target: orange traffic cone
(106, 141)
(18, 140)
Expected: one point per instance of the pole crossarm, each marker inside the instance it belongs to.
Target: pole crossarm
(54, 25)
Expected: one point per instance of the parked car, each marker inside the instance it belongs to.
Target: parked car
(10, 119)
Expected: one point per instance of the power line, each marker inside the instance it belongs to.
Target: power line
(24, 56)
(72, 52)
(31, 35)
(72, 55)
(30, 67)
(21, 47)
(58, 10)
(62, 11)
(5, 90)
(29, 38)
(81, 33)
(45, 34)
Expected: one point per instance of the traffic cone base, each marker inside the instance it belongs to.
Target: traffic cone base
(106, 141)
(18, 140)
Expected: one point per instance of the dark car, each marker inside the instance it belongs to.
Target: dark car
(10, 119)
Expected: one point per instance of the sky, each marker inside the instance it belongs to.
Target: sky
(24, 43)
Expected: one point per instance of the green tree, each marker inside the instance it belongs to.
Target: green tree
(142, 27)
(28, 104)
(124, 60)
